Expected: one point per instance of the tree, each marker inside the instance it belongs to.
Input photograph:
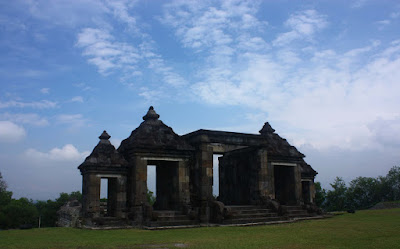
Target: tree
(151, 198)
(363, 193)
(19, 213)
(336, 198)
(320, 194)
(390, 185)
(3, 184)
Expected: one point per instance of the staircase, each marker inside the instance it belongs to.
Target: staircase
(295, 212)
(171, 218)
(251, 214)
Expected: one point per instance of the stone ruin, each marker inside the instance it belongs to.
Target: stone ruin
(262, 179)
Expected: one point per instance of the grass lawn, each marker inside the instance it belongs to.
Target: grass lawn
(364, 229)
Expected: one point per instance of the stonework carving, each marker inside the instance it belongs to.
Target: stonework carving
(260, 177)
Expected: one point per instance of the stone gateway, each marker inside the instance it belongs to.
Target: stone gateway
(262, 178)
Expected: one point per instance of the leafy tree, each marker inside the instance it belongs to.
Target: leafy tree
(336, 198)
(150, 197)
(3, 184)
(363, 193)
(390, 185)
(320, 194)
(19, 213)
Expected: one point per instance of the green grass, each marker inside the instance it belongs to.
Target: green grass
(364, 229)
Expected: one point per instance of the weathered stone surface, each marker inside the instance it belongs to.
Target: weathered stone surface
(261, 172)
(69, 214)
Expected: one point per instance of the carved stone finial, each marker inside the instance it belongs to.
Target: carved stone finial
(104, 135)
(151, 114)
(267, 129)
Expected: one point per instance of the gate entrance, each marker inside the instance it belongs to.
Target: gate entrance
(285, 185)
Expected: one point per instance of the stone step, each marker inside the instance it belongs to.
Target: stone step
(162, 223)
(299, 215)
(254, 215)
(294, 212)
(292, 207)
(243, 207)
(175, 217)
(251, 211)
(252, 220)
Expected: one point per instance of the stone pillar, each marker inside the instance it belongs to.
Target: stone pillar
(183, 181)
(204, 161)
(297, 185)
(312, 191)
(91, 195)
(265, 176)
(121, 197)
(138, 188)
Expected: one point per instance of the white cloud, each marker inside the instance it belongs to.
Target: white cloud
(78, 99)
(43, 104)
(67, 13)
(303, 26)
(45, 90)
(10, 132)
(25, 118)
(74, 120)
(104, 52)
(67, 153)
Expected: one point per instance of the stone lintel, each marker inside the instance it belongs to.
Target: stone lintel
(173, 159)
(284, 164)
(109, 176)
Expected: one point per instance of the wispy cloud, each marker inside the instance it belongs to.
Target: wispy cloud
(105, 53)
(73, 120)
(303, 26)
(43, 104)
(45, 90)
(24, 118)
(78, 99)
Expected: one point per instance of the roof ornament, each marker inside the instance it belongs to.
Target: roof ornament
(267, 129)
(151, 114)
(104, 137)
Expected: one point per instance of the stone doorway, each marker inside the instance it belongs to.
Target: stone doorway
(285, 185)
(109, 207)
(167, 185)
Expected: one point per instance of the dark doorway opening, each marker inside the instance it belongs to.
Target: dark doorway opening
(305, 187)
(108, 200)
(285, 185)
(167, 185)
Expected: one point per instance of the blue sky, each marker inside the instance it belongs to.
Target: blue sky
(325, 74)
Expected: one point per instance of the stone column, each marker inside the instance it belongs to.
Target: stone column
(204, 161)
(138, 188)
(91, 195)
(312, 191)
(265, 176)
(121, 197)
(297, 188)
(183, 181)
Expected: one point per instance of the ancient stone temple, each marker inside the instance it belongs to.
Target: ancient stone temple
(262, 178)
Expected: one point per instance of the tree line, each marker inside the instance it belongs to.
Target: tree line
(360, 193)
(26, 213)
